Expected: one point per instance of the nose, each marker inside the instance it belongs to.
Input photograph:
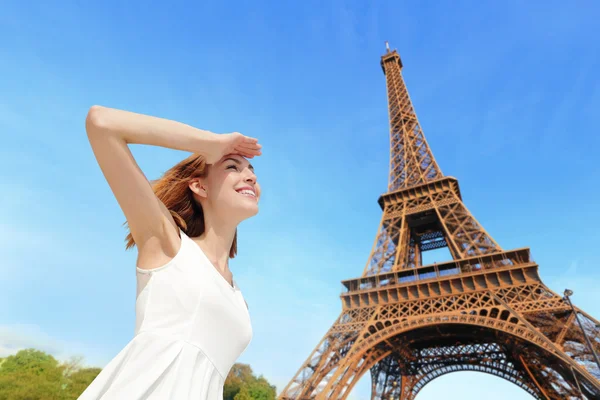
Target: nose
(250, 176)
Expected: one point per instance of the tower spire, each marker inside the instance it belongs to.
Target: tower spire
(411, 160)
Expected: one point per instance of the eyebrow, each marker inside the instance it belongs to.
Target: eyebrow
(238, 162)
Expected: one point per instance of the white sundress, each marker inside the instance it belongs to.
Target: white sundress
(191, 326)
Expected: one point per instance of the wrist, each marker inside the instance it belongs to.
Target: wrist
(210, 145)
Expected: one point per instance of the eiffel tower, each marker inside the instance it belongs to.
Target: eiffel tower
(486, 310)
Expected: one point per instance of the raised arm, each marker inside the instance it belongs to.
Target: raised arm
(110, 131)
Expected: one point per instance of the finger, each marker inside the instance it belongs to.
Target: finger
(248, 144)
(250, 153)
(249, 148)
(246, 152)
(245, 155)
(248, 139)
(253, 152)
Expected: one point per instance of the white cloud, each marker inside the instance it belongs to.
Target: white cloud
(16, 337)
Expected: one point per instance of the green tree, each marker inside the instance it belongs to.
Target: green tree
(77, 378)
(239, 375)
(242, 384)
(34, 375)
(31, 375)
(260, 389)
(243, 394)
(78, 381)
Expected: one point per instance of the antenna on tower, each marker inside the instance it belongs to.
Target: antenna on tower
(387, 46)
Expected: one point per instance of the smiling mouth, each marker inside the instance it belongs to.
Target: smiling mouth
(248, 193)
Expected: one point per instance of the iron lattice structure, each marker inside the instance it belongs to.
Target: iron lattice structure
(486, 310)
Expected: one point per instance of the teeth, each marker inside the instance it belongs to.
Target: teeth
(250, 192)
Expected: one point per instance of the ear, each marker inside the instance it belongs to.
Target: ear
(198, 187)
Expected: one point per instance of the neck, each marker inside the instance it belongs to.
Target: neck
(217, 239)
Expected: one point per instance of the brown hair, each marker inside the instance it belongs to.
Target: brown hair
(173, 190)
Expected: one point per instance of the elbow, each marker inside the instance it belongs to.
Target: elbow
(95, 120)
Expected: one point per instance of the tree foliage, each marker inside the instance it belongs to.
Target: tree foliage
(242, 384)
(35, 375)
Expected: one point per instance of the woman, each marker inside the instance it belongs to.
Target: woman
(192, 322)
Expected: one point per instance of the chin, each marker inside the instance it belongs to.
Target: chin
(244, 212)
(250, 212)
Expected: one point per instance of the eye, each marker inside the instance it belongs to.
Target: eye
(232, 166)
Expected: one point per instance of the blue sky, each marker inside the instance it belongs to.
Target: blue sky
(507, 95)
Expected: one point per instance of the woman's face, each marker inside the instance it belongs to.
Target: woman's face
(231, 189)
